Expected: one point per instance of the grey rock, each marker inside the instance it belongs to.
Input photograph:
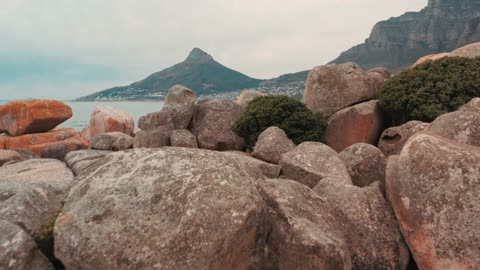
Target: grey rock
(310, 162)
(272, 144)
(472, 106)
(9, 155)
(255, 166)
(180, 103)
(382, 71)
(460, 126)
(155, 120)
(183, 138)
(212, 124)
(81, 160)
(152, 138)
(111, 141)
(247, 96)
(393, 139)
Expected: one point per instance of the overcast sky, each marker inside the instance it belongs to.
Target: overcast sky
(68, 48)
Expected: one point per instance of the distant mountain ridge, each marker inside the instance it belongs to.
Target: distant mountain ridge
(443, 26)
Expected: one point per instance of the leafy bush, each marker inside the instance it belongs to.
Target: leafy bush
(431, 89)
(289, 114)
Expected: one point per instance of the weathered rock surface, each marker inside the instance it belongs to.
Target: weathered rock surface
(152, 138)
(272, 144)
(247, 96)
(107, 119)
(32, 192)
(114, 141)
(472, 106)
(183, 138)
(365, 163)
(393, 139)
(9, 155)
(180, 103)
(33, 116)
(470, 51)
(382, 71)
(254, 166)
(19, 251)
(361, 123)
(460, 126)
(367, 223)
(174, 208)
(433, 188)
(79, 161)
(331, 88)
(310, 162)
(303, 233)
(375, 80)
(430, 57)
(85, 133)
(53, 144)
(212, 124)
(396, 43)
(155, 120)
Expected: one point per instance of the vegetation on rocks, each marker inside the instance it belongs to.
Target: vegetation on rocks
(431, 89)
(298, 122)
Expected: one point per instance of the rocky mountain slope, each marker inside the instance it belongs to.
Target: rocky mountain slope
(442, 26)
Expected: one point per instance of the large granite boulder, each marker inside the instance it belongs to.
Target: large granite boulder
(152, 138)
(310, 162)
(19, 251)
(183, 138)
(472, 106)
(212, 124)
(81, 160)
(170, 208)
(382, 71)
(333, 87)
(9, 155)
(180, 103)
(255, 167)
(433, 188)
(302, 234)
(32, 192)
(430, 57)
(470, 51)
(367, 223)
(114, 141)
(361, 123)
(272, 144)
(106, 119)
(54, 144)
(155, 120)
(247, 96)
(460, 126)
(393, 139)
(32, 116)
(365, 163)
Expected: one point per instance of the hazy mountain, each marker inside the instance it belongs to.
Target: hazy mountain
(442, 26)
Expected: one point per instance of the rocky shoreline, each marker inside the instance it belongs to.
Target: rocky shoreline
(180, 193)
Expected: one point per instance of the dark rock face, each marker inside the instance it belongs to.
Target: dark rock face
(442, 26)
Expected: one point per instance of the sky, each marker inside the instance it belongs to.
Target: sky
(64, 49)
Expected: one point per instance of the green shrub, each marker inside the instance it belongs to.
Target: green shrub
(431, 89)
(289, 114)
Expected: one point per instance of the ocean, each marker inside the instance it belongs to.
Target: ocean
(83, 110)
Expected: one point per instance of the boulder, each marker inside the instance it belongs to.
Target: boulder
(393, 139)
(361, 123)
(53, 144)
(85, 133)
(152, 138)
(155, 120)
(460, 126)
(310, 162)
(19, 250)
(170, 208)
(180, 103)
(115, 141)
(183, 138)
(333, 87)
(365, 163)
(434, 191)
(81, 160)
(470, 51)
(430, 57)
(367, 223)
(272, 144)
(302, 232)
(376, 81)
(247, 96)
(9, 155)
(382, 71)
(107, 119)
(32, 116)
(472, 106)
(212, 124)
(32, 192)
(255, 166)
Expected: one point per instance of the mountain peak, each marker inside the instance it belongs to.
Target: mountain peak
(197, 55)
